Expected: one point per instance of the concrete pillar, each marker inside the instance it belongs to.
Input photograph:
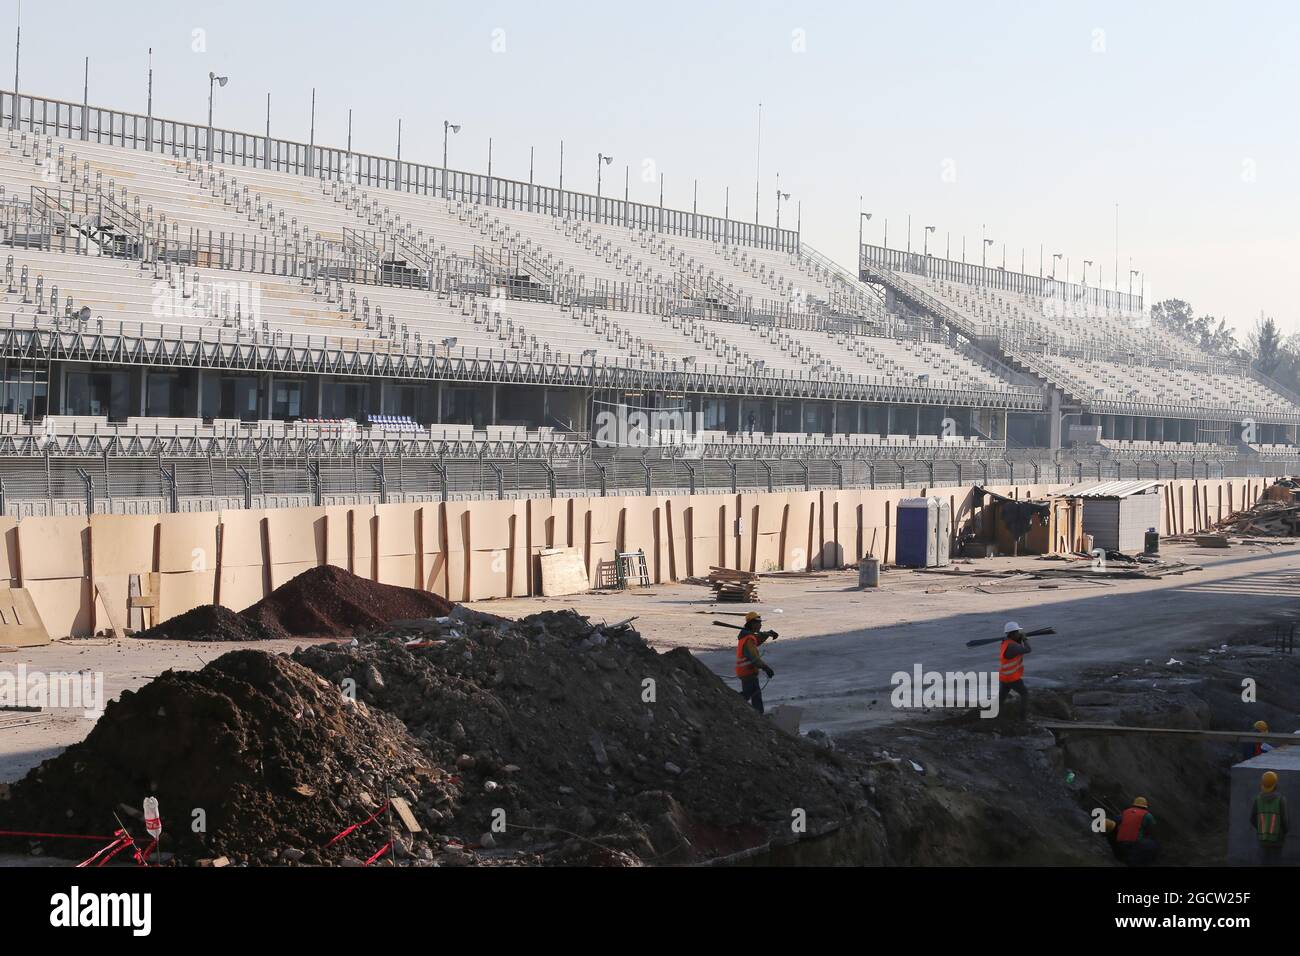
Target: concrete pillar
(1054, 417)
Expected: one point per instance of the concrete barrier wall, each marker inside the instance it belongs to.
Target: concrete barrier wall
(80, 572)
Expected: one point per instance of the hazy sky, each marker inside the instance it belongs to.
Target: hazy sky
(1033, 119)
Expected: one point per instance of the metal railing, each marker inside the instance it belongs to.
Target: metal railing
(99, 124)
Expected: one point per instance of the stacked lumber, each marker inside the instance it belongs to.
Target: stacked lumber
(729, 585)
(1267, 519)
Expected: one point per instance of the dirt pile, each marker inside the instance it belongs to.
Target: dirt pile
(209, 622)
(327, 601)
(277, 760)
(324, 601)
(587, 744)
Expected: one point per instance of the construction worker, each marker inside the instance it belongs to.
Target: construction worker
(1011, 667)
(1135, 841)
(1259, 747)
(1268, 818)
(749, 662)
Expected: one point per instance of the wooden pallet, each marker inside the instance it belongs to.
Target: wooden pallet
(736, 586)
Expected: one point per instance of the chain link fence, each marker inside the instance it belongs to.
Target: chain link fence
(123, 485)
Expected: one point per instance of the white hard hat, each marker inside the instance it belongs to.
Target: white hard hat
(1011, 627)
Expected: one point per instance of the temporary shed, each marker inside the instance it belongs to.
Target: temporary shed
(1026, 526)
(1118, 514)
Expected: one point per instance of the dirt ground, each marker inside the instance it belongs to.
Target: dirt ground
(949, 788)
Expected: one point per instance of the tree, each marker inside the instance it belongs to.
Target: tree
(1210, 334)
(1266, 346)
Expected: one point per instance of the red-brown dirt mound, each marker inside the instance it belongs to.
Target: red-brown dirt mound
(327, 601)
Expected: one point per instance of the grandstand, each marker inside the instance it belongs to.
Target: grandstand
(210, 315)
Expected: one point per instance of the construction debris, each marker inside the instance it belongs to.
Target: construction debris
(738, 586)
(1267, 519)
(549, 739)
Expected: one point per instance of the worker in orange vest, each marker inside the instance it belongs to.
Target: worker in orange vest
(1011, 667)
(1269, 819)
(749, 662)
(1134, 839)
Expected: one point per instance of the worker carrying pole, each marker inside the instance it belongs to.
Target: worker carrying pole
(749, 662)
(1011, 667)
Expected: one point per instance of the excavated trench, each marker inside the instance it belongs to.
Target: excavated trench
(996, 793)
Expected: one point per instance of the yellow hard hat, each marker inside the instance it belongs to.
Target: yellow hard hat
(753, 616)
(1268, 782)
(1140, 802)
(1261, 726)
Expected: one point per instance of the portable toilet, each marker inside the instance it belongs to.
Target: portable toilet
(923, 540)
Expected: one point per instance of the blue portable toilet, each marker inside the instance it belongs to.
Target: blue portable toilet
(923, 540)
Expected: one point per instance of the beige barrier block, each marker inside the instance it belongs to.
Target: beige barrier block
(188, 542)
(64, 604)
(51, 548)
(706, 531)
(642, 531)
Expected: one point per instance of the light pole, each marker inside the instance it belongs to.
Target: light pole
(1086, 263)
(447, 127)
(1131, 274)
(984, 248)
(779, 196)
(926, 241)
(1056, 256)
(601, 160)
(219, 81)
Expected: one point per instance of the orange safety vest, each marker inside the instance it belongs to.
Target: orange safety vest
(1130, 825)
(1010, 669)
(744, 666)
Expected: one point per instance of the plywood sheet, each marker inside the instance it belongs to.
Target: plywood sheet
(55, 547)
(9, 552)
(122, 544)
(64, 604)
(402, 570)
(184, 590)
(297, 535)
(241, 587)
(399, 528)
(188, 541)
(563, 572)
(242, 539)
(20, 621)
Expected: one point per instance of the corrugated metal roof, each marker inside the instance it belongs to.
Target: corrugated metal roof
(1108, 489)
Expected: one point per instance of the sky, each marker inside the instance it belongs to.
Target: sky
(1031, 123)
